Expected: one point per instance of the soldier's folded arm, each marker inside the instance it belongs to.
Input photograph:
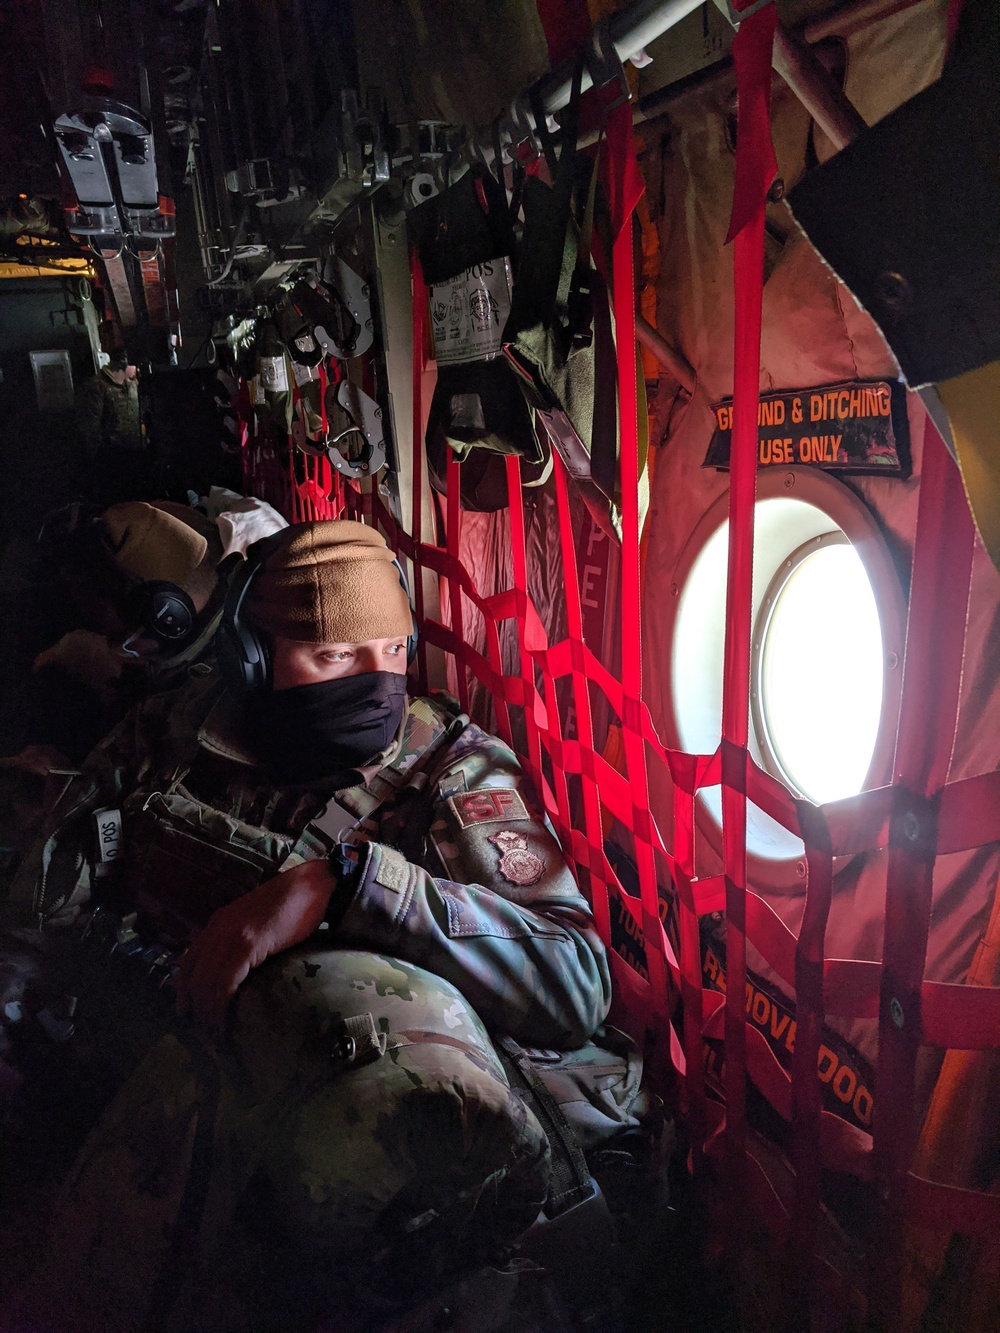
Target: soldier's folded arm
(507, 925)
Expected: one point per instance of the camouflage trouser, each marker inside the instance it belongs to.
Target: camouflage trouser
(386, 1168)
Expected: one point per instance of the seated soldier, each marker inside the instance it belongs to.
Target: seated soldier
(139, 590)
(135, 595)
(387, 856)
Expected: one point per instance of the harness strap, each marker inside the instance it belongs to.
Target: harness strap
(571, 1182)
(365, 801)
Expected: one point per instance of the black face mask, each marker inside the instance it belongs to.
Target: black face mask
(313, 733)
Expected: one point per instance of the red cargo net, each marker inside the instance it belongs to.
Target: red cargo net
(920, 816)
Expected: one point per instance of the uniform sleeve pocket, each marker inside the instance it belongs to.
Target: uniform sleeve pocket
(477, 912)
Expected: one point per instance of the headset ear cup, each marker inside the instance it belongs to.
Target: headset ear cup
(414, 639)
(244, 654)
(244, 659)
(165, 611)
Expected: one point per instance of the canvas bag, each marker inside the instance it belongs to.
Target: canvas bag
(559, 338)
(478, 411)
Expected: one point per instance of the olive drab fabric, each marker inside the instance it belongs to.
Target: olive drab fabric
(477, 411)
(107, 415)
(427, 1139)
(429, 1125)
(598, 1087)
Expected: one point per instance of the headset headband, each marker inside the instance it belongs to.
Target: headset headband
(244, 654)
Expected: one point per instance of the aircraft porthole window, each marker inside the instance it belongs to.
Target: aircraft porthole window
(827, 625)
(819, 627)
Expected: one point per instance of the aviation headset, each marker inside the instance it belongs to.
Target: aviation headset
(244, 654)
(162, 610)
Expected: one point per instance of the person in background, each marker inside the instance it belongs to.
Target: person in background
(112, 457)
(139, 589)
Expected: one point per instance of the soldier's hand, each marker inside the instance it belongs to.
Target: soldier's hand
(238, 937)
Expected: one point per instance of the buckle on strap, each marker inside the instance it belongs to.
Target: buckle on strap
(585, 1227)
(359, 1042)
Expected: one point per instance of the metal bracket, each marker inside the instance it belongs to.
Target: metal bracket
(353, 293)
(604, 62)
(518, 125)
(736, 16)
(367, 417)
(365, 153)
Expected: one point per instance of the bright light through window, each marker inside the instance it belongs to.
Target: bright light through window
(820, 674)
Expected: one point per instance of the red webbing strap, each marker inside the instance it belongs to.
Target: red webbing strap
(301, 507)
(755, 170)
(291, 481)
(419, 293)
(323, 383)
(948, 1207)
(566, 25)
(454, 537)
(807, 1102)
(525, 664)
(970, 813)
(591, 804)
(932, 668)
(243, 411)
(685, 771)
(622, 168)
(955, 8)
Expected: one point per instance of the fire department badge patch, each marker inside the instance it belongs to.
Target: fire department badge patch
(517, 864)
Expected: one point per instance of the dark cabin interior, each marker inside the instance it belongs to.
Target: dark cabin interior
(659, 340)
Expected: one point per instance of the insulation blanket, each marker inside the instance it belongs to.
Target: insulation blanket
(813, 334)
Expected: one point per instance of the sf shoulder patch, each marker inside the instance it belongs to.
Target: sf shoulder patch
(488, 805)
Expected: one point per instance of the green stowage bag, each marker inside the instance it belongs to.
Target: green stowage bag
(427, 1136)
(359, 1096)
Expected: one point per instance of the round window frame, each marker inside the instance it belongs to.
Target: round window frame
(770, 758)
(850, 516)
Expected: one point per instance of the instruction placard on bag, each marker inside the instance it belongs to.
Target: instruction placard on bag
(108, 831)
(468, 312)
(273, 374)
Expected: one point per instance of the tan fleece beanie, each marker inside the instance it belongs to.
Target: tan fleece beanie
(151, 545)
(331, 582)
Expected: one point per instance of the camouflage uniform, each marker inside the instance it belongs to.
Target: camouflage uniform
(112, 462)
(457, 873)
(459, 918)
(107, 415)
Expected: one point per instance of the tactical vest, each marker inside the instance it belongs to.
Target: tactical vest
(184, 858)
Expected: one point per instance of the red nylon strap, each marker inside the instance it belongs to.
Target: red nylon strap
(323, 383)
(581, 701)
(807, 1104)
(935, 642)
(755, 168)
(419, 294)
(243, 409)
(968, 1212)
(622, 167)
(454, 534)
(566, 24)
(535, 717)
